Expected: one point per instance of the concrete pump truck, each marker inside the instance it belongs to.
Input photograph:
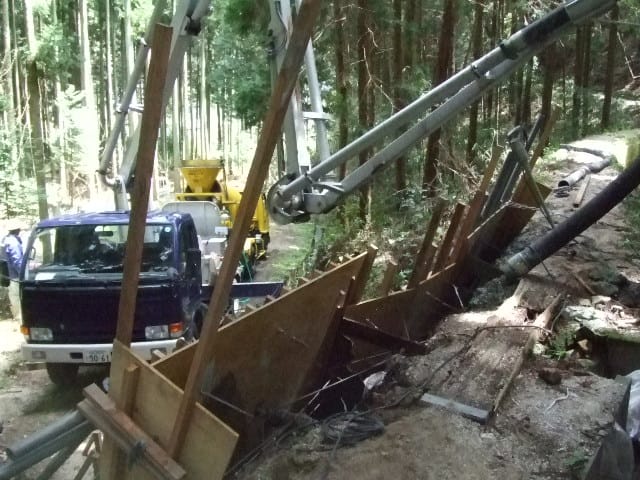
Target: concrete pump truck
(72, 274)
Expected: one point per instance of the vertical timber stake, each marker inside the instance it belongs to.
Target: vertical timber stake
(285, 84)
(149, 127)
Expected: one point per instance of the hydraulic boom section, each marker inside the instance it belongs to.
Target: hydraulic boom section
(295, 196)
(187, 22)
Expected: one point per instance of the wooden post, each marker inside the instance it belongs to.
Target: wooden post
(544, 137)
(580, 193)
(419, 270)
(445, 246)
(475, 208)
(355, 293)
(149, 127)
(387, 280)
(285, 84)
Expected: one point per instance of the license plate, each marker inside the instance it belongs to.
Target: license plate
(100, 356)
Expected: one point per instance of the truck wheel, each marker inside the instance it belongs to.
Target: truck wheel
(63, 374)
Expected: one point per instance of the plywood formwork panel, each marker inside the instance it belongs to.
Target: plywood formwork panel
(410, 313)
(269, 351)
(209, 443)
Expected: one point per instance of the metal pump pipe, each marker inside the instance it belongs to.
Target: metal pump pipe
(577, 175)
(521, 263)
(286, 200)
(66, 432)
(129, 91)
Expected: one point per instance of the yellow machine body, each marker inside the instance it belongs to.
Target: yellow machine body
(201, 177)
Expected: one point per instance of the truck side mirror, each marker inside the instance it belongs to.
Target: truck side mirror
(193, 261)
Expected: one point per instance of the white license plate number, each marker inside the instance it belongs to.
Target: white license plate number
(100, 356)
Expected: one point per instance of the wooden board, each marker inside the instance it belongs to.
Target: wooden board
(480, 372)
(289, 309)
(270, 134)
(410, 313)
(209, 443)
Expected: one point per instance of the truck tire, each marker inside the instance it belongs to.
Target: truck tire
(63, 374)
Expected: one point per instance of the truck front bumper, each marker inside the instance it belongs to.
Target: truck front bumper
(96, 353)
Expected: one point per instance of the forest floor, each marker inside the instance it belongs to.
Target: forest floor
(540, 431)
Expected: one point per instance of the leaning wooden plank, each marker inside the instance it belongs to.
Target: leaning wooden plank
(262, 362)
(387, 313)
(389, 276)
(125, 404)
(285, 84)
(355, 293)
(577, 200)
(541, 323)
(434, 297)
(462, 247)
(176, 366)
(447, 242)
(401, 313)
(149, 127)
(426, 250)
(103, 413)
(209, 443)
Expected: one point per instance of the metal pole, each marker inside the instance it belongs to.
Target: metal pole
(42, 449)
(534, 36)
(129, 91)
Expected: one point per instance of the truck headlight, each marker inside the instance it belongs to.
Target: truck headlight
(156, 332)
(40, 334)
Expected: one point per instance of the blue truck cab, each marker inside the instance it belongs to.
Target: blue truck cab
(70, 288)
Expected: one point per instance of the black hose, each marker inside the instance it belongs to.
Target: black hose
(532, 255)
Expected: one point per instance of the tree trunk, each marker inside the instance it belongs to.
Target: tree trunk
(37, 141)
(549, 62)
(476, 42)
(398, 93)
(445, 55)
(611, 63)
(577, 82)
(35, 112)
(526, 94)
(364, 51)
(343, 92)
(8, 86)
(89, 140)
(586, 78)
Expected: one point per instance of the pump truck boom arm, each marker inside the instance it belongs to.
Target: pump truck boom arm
(293, 197)
(187, 22)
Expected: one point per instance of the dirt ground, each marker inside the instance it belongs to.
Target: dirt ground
(540, 431)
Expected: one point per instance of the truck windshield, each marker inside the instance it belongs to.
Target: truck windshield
(96, 249)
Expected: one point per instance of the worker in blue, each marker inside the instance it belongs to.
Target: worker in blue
(13, 253)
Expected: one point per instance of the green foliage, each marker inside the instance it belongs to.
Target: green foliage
(239, 74)
(299, 261)
(559, 344)
(577, 462)
(18, 196)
